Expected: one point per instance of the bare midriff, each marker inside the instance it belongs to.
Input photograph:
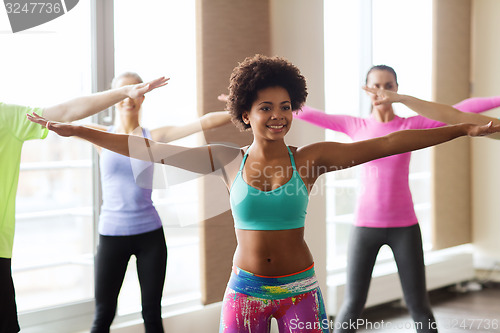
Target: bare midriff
(272, 252)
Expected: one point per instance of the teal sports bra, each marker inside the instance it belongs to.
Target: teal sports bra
(280, 209)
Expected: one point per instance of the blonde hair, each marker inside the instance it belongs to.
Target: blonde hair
(131, 75)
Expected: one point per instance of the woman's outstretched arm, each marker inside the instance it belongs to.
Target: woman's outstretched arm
(478, 104)
(201, 160)
(334, 156)
(82, 107)
(206, 122)
(436, 111)
(338, 123)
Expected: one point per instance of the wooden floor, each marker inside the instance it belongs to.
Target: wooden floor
(469, 311)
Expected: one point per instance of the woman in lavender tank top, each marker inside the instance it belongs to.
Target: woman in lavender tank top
(129, 223)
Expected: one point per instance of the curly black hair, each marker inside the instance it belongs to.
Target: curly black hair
(261, 72)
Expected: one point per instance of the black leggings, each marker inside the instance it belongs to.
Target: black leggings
(8, 310)
(406, 244)
(111, 263)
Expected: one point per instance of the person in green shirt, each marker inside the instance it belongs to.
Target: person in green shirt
(14, 130)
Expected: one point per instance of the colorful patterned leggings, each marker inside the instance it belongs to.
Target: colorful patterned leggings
(295, 301)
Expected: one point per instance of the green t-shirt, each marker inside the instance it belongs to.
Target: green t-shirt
(15, 128)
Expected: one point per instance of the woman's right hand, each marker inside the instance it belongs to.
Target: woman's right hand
(62, 129)
(222, 98)
(383, 96)
(140, 89)
(482, 130)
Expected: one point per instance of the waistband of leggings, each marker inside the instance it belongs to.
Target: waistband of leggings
(273, 287)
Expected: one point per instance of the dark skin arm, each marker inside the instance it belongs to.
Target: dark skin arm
(436, 111)
(274, 252)
(332, 156)
(201, 160)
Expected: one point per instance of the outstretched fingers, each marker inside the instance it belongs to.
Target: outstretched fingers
(222, 97)
(490, 128)
(141, 89)
(38, 119)
(370, 90)
(383, 96)
(484, 130)
(157, 83)
(61, 129)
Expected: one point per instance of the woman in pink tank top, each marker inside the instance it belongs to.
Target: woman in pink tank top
(385, 212)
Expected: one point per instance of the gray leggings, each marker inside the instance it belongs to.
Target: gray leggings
(406, 244)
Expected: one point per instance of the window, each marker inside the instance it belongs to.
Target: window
(53, 259)
(360, 34)
(342, 75)
(174, 56)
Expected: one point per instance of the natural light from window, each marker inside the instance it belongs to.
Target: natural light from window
(400, 35)
(52, 259)
(173, 54)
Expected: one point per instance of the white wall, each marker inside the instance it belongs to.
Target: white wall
(485, 152)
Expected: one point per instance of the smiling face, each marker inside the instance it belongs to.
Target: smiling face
(381, 79)
(256, 74)
(270, 116)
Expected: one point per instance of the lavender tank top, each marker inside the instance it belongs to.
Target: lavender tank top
(127, 209)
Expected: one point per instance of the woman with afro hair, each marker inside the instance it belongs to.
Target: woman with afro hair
(269, 182)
